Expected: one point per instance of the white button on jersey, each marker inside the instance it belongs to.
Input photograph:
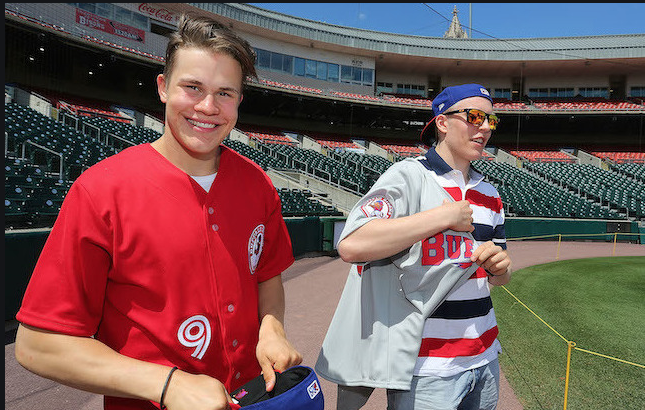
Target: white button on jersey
(211, 210)
(235, 343)
(215, 227)
(231, 308)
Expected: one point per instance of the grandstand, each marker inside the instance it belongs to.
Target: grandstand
(75, 94)
(332, 109)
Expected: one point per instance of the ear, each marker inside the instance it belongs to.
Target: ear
(442, 123)
(161, 88)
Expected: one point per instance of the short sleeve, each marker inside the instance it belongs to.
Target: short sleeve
(395, 194)
(277, 254)
(66, 291)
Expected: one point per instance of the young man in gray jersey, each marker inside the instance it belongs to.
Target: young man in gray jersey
(425, 242)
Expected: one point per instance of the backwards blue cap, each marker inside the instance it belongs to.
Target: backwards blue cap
(449, 97)
(296, 388)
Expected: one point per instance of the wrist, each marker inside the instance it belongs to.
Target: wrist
(270, 325)
(165, 388)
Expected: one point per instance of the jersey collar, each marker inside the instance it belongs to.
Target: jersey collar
(434, 162)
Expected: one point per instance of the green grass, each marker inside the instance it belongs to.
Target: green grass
(598, 303)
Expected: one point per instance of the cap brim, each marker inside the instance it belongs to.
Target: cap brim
(426, 134)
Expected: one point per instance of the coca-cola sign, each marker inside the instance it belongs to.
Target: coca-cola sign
(158, 13)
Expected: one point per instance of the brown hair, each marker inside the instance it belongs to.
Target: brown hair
(206, 33)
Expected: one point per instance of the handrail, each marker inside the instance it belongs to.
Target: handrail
(60, 168)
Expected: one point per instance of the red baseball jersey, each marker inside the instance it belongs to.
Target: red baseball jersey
(158, 269)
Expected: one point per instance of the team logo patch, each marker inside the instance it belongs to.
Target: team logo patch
(484, 91)
(256, 242)
(378, 207)
(313, 389)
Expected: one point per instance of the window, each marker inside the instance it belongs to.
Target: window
(333, 72)
(91, 7)
(594, 92)
(276, 62)
(384, 88)
(368, 76)
(105, 10)
(410, 89)
(561, 92)
(264, 58)
(637, 91)
(538, 92)
(321, 72)
(287, 64)
(140, 21)
(311, 68)
(299, 67)
(502, 93)
(123, 16)
(345, 74)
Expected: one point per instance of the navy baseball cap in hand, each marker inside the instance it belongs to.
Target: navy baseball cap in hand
(296, 388)
(449, 97)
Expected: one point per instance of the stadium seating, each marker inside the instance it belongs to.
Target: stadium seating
(86, 111)
(367, 163)
(618, 191)
(255, 155)
(134, 134)
(598, 105)
(631, 169)
(272, 138)
(509, 105)
(404, 151)
(299, 203)
(621, 157)
(550, 185)
(355, 96)
(46, 141)
(538, 156)
(337, 144)
(423, 102)
(525, 194)
(32, 195)
(294, 87)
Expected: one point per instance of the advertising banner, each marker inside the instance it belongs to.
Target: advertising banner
(91, 20)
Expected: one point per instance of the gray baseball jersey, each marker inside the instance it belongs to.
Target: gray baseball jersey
(374, 337)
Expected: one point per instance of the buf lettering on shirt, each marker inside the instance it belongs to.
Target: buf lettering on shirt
(444, 246)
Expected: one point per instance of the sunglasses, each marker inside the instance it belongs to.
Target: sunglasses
(477, 117)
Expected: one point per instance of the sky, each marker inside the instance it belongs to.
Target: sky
(489, 20)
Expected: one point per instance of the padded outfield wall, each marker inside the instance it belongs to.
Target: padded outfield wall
(313, 235)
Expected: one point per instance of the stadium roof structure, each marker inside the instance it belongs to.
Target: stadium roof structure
(438, 54)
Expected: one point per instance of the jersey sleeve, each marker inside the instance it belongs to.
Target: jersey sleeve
(67, 288)
(277, 254)
(395, 194)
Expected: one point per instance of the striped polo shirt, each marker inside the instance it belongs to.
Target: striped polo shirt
(462, 332)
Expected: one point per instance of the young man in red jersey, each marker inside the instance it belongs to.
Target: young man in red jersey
(160, 283)
(425, 242)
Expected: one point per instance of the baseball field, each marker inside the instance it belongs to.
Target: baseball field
(596, 303)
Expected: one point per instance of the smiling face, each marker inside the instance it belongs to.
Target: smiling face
(463, 142)
(202, 97)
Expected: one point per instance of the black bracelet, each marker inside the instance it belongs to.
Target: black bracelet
(165, 387)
